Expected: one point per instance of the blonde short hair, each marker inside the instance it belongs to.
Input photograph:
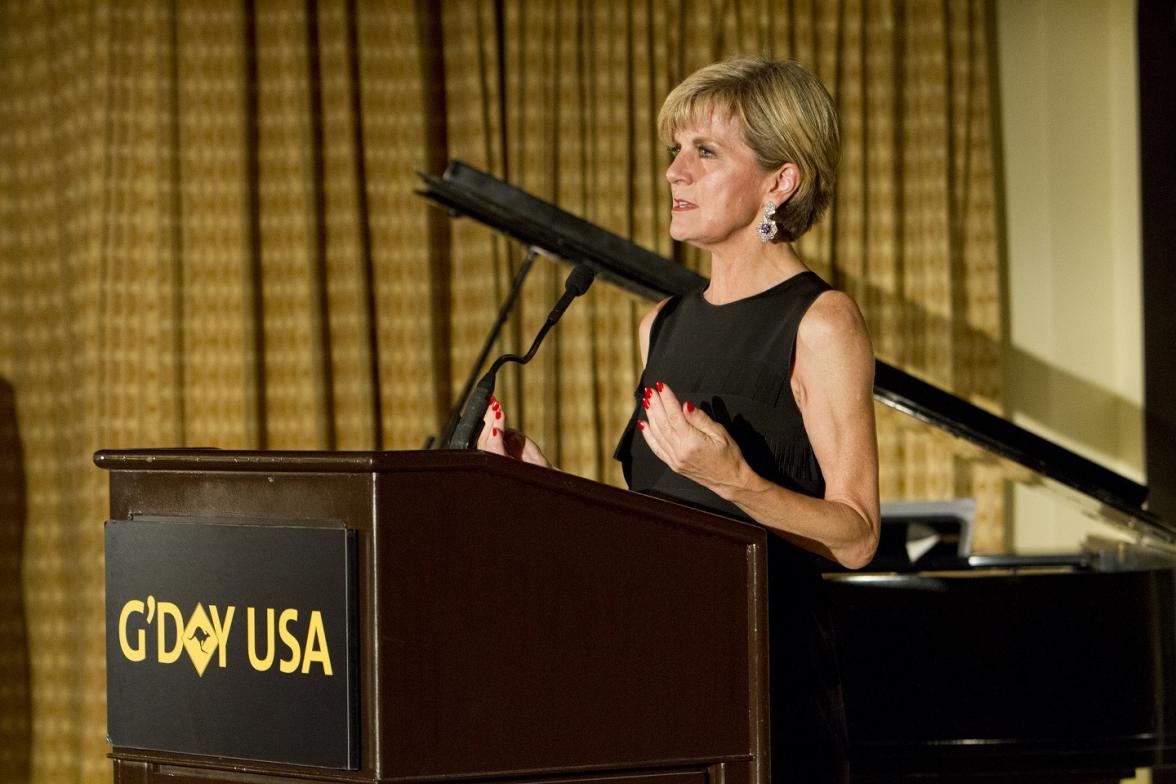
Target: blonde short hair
(787, 117)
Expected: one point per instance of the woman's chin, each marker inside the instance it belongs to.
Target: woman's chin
(681, 233)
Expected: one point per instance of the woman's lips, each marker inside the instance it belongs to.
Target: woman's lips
(682, 204)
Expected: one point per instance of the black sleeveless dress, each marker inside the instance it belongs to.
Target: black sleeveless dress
(734, 361)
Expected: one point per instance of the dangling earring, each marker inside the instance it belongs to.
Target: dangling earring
(767, 226)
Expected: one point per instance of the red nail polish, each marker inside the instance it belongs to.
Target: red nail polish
(660, 386)
(494, 432)
(689, 407)
(498, 414)
(645, 402)
(648, 392)
(493, 401)
(640, 425)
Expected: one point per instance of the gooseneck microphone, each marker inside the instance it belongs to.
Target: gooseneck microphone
(469, 427)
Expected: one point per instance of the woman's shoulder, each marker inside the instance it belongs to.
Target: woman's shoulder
(834, 355)
(646, 327)
(651, 315)
(832, 309)
(833, 321)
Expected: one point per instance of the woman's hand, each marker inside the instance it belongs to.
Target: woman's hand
(496, 437)
(690, 442)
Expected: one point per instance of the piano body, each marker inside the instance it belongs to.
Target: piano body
(957, 667)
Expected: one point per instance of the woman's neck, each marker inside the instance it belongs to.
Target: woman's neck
(741, 275)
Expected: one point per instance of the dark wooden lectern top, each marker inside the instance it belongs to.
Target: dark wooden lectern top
(513, 622)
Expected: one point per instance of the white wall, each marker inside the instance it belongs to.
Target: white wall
(1074, 360)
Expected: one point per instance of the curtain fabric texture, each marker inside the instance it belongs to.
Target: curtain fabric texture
(209, 238)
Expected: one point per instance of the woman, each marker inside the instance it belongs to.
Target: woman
(756, 397)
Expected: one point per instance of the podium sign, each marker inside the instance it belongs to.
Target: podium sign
(233, 640)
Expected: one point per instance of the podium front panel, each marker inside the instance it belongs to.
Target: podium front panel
(512, 622)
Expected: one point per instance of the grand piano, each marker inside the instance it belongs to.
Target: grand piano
(957, 667)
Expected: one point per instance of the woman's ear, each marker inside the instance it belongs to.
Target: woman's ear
(785, 183)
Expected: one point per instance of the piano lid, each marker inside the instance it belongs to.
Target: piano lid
(464, 190)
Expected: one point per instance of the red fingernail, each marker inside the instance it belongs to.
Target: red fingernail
(494, 432)
(498, 414)
(640, 425)
(660, 386)
(493, 401)
(648, 392)
(689, 407)
(645, 402)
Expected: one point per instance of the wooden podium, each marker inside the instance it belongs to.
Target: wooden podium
(499, 621)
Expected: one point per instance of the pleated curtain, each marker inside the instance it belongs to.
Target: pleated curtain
(209, 237)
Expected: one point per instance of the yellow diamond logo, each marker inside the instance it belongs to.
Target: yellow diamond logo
(199, 639)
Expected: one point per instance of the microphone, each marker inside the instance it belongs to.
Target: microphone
(469, 427)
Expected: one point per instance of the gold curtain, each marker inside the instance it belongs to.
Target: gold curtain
(209, 238)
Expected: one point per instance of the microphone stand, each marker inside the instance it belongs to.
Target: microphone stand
(516, 288)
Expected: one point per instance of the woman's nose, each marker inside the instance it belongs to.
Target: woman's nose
(677, 171)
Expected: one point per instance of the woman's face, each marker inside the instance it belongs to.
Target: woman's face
(718, 189)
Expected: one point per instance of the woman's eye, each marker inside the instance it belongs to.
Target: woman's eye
(705, 152)
(673, 151)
